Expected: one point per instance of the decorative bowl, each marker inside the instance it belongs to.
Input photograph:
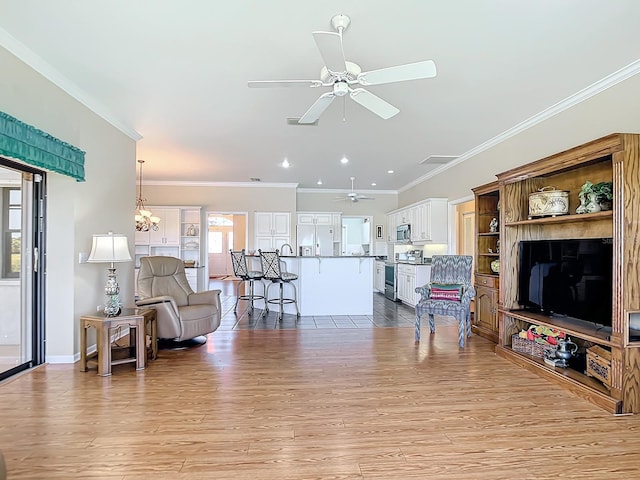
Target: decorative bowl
(495, 266)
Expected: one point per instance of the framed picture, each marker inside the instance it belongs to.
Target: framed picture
(379, 232)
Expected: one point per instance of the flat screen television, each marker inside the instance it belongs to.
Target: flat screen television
(572, 278)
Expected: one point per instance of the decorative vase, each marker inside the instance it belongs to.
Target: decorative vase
(592, 205)
(582, 208)
(495, 266)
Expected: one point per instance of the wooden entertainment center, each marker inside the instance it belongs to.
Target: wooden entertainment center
(614, 158)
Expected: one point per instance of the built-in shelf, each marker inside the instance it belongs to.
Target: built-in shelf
(489, 255)
(578, 383)
(584, 217)
(571, 326)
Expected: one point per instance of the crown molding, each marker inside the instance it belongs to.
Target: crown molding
(178, 183)
(586, 93)
(38, 64)
(346, 190)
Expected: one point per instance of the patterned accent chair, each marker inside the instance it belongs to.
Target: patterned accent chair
(270, 261)
(448, 270)
(241, 271)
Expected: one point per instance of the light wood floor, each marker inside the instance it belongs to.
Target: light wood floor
(311, 404)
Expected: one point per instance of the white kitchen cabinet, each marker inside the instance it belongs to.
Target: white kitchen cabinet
(272, 230)
(168, 232)
(272, 224)
(428, 220)
(392, 225)
(272, 243)
(410, 277)
(315, 218)
(378, 277)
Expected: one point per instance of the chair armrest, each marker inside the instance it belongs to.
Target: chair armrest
(155, 300)
(468, 294)
(208, 297)
(424, 290)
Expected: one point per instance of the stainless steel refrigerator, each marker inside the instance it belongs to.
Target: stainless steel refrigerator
(315, 240)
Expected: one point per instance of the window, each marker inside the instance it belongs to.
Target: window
(11, 229)
(215, 242)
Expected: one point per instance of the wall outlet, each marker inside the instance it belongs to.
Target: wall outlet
(99, 308)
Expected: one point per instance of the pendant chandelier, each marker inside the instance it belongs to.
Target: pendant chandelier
(145, 220)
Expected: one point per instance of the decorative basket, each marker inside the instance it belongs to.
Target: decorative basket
(530, 347)
(599, 364)
(548, 201)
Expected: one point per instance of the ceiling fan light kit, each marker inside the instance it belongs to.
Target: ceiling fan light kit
(352, 196)
(341, 75)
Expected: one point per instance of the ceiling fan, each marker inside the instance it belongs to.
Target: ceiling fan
(353, 196)
(341, 75)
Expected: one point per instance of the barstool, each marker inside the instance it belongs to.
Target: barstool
(240, 270)
(271, 270)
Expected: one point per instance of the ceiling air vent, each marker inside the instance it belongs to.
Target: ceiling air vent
(295, 121)
(254, 179)
(438, 159)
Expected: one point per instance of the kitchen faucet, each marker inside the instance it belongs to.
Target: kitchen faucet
(286, 245)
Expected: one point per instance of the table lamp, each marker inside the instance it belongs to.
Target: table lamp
(110, 248)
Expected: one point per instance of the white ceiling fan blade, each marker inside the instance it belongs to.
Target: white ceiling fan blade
(319, 106)
(283, 83)
(400, 73)
(374, 103)
(330, 46)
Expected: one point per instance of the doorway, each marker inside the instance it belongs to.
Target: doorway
(21, 268)
(356, 235)
(225, 231)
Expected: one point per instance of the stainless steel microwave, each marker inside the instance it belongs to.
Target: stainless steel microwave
(403, 233)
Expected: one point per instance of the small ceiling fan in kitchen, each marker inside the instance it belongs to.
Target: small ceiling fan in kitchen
(343, 77)
(354, 197)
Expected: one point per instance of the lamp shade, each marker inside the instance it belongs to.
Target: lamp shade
(109, 248)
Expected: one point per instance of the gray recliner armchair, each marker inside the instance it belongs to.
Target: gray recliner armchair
(182, 313)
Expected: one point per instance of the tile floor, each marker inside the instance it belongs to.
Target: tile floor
(386, 313)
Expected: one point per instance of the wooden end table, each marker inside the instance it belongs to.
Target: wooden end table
(141, 322)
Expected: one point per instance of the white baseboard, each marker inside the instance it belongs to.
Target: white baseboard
(59, 359)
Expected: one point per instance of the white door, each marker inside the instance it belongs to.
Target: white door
(220, 242)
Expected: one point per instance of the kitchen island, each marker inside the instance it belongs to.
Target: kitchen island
(328, 285)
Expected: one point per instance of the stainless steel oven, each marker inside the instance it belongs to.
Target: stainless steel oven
(390, 279)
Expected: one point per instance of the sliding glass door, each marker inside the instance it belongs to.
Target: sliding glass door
(21, 268)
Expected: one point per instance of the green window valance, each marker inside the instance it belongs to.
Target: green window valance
(38, 148)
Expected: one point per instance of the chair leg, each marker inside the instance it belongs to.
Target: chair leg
(468, 323)
(295, 298)
(235, 307)
(281, 302)
(461, 330)
(250, 297)
(417, 325)
(432, 323)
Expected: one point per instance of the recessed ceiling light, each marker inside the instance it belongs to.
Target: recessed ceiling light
(344, 160)
(319, 182)
(285, 163)
(373, 184)
(389, 171)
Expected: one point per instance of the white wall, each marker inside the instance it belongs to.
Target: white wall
(75, 210)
